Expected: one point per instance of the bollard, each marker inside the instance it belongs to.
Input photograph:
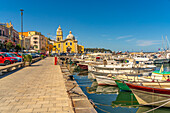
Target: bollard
(55, 62)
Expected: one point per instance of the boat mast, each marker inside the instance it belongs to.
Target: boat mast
(167, 41)
(162, 43)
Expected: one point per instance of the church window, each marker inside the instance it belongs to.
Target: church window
(70, 43)
(66, 43)
(58, 39)
(58, 45)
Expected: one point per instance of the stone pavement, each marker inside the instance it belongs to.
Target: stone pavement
(39, 88)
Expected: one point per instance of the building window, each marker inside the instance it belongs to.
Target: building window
(35, 42)
(35, 38)
(66, 43)
(58, 39)
(70, 43)
(58, 45)
(0, 32)
(3, 33)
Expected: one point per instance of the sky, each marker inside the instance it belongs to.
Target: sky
(119, 25)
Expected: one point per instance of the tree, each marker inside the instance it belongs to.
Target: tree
(18, 47)
(9, 45)
(1, 45)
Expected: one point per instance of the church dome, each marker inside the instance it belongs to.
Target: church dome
(70, 36)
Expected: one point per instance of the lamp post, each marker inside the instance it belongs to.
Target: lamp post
(21, 29)
(48, 44)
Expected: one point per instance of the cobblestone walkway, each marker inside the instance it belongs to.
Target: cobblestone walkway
(39, 88)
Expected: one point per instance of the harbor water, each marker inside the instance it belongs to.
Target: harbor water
(109, 99)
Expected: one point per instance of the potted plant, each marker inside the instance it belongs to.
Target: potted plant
(29, 59)
(24, 59)
(42, 56)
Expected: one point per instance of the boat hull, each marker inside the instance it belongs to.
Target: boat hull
(149, 96)
(83, 66)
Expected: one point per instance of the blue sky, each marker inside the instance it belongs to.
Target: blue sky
(114, 24)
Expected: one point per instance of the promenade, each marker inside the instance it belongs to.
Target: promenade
(39, 88)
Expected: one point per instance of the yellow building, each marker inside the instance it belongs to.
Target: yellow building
(68, 45)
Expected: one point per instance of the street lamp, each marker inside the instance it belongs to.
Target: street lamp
(21, 29)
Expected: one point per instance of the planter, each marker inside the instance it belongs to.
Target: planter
(27, 64)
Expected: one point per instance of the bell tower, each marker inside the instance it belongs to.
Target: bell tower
(59, 34)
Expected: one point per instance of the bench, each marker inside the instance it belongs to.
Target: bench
(9, 67)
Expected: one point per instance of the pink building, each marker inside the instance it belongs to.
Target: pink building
(8, 32)
(4, 33)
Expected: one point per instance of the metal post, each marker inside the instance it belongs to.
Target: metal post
(21, 29)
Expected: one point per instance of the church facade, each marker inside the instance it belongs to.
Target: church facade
(67, 45)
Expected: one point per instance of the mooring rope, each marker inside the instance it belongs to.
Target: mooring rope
(156, 107)
(157, 102)
(102, 110)
(91, 101)
(101, 104)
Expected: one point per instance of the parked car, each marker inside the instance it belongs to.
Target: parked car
(63, 54)
(13, 55)
(34, 55)
(71, 54)
(17, 54)
(5, 59)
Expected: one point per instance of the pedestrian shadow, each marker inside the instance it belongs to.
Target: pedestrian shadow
(11, 72)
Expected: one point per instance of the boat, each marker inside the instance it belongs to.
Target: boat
(150, 96)
(83, 66)
(104, 80)
(125, 99)
(161, 74)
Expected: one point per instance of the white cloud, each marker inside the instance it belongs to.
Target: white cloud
(126, 36)
(129, 40)
(147, 42)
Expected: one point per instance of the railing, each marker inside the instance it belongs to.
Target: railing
(9, 67)
(16, 65)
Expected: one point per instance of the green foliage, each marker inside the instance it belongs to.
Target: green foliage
(42, 56)
(49, 39)
(1, 45)
(96, 50)
(24, 58)
(35, 46)
(28, 58)
(18, 47)
(9, 45)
